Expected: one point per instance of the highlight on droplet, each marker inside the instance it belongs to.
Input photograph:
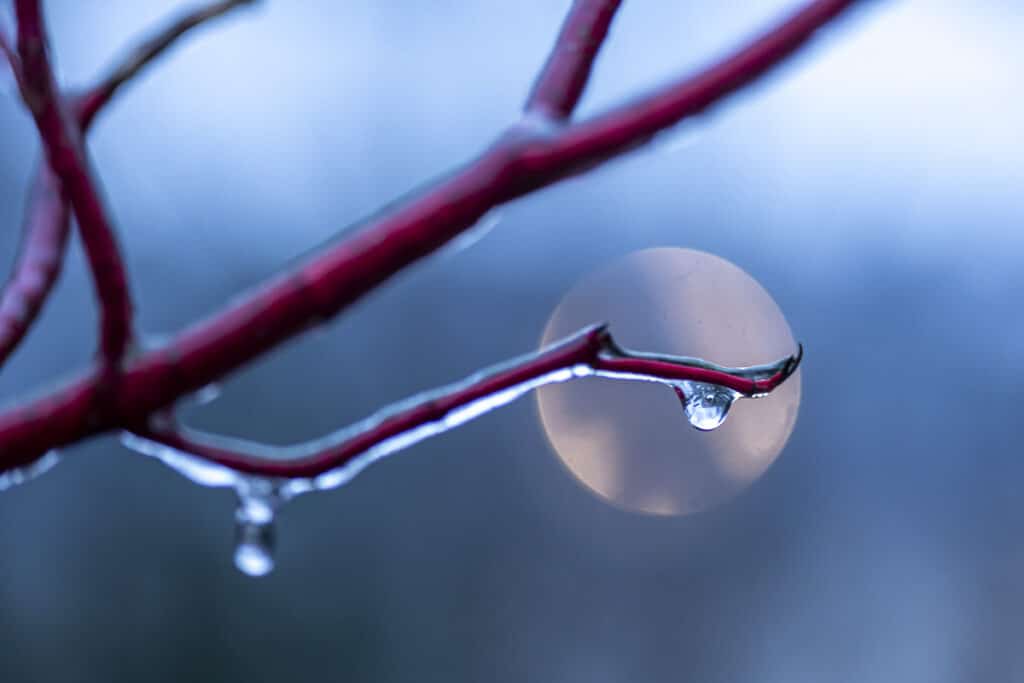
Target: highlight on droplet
(254, 549)
(631, 442)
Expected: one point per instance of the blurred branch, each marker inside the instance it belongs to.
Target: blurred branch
(140, 56)
(582, 146)
(45, 228)
(523, 159)
(590, 352)
(44, 237)
(67, 157)
(561, 82)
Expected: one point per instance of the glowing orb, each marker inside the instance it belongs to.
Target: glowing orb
(630, 441)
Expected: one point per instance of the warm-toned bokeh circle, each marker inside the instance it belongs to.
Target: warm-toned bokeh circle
(630, 441)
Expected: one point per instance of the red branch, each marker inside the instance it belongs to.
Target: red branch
(45, 229)
(522, 160)
(67, 157)
(561, 82)
(589, 352)
(44, 237)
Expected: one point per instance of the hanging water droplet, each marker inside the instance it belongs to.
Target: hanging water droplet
(254, 548)
(706, 405)
(258, 501)
(20, 475)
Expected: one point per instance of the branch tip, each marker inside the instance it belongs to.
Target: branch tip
(561, 82)
(794, 362)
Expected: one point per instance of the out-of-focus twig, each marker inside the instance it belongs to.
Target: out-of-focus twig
(66, 155)
(45, 227)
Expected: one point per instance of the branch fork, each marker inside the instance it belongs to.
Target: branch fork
(543, 147)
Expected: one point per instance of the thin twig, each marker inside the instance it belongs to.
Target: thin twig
(128, 66)
(44, 238)
(584, 145)
(590, 352)
(561, 82)
(67, 157)
(45, 228)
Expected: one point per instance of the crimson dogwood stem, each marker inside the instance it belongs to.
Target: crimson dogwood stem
(561, 82)
(67, 157)
(522, 160)
(39, 261)
(589, 352)
(46, 224)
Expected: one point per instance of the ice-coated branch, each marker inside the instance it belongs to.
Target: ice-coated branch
(523, 159)
(45, 226)
(339, 456)
(561, 82)
(67, 157)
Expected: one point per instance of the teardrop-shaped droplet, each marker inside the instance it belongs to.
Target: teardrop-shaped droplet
(254, 548)
(706, 405)
(20, 475)
(258, 501)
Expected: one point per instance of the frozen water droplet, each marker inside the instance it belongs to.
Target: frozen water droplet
(254, 548)
(20, 475)
(706, 405)
(258, 501)
(206, 395)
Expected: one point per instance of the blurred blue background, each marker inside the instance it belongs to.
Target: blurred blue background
(872, 185)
